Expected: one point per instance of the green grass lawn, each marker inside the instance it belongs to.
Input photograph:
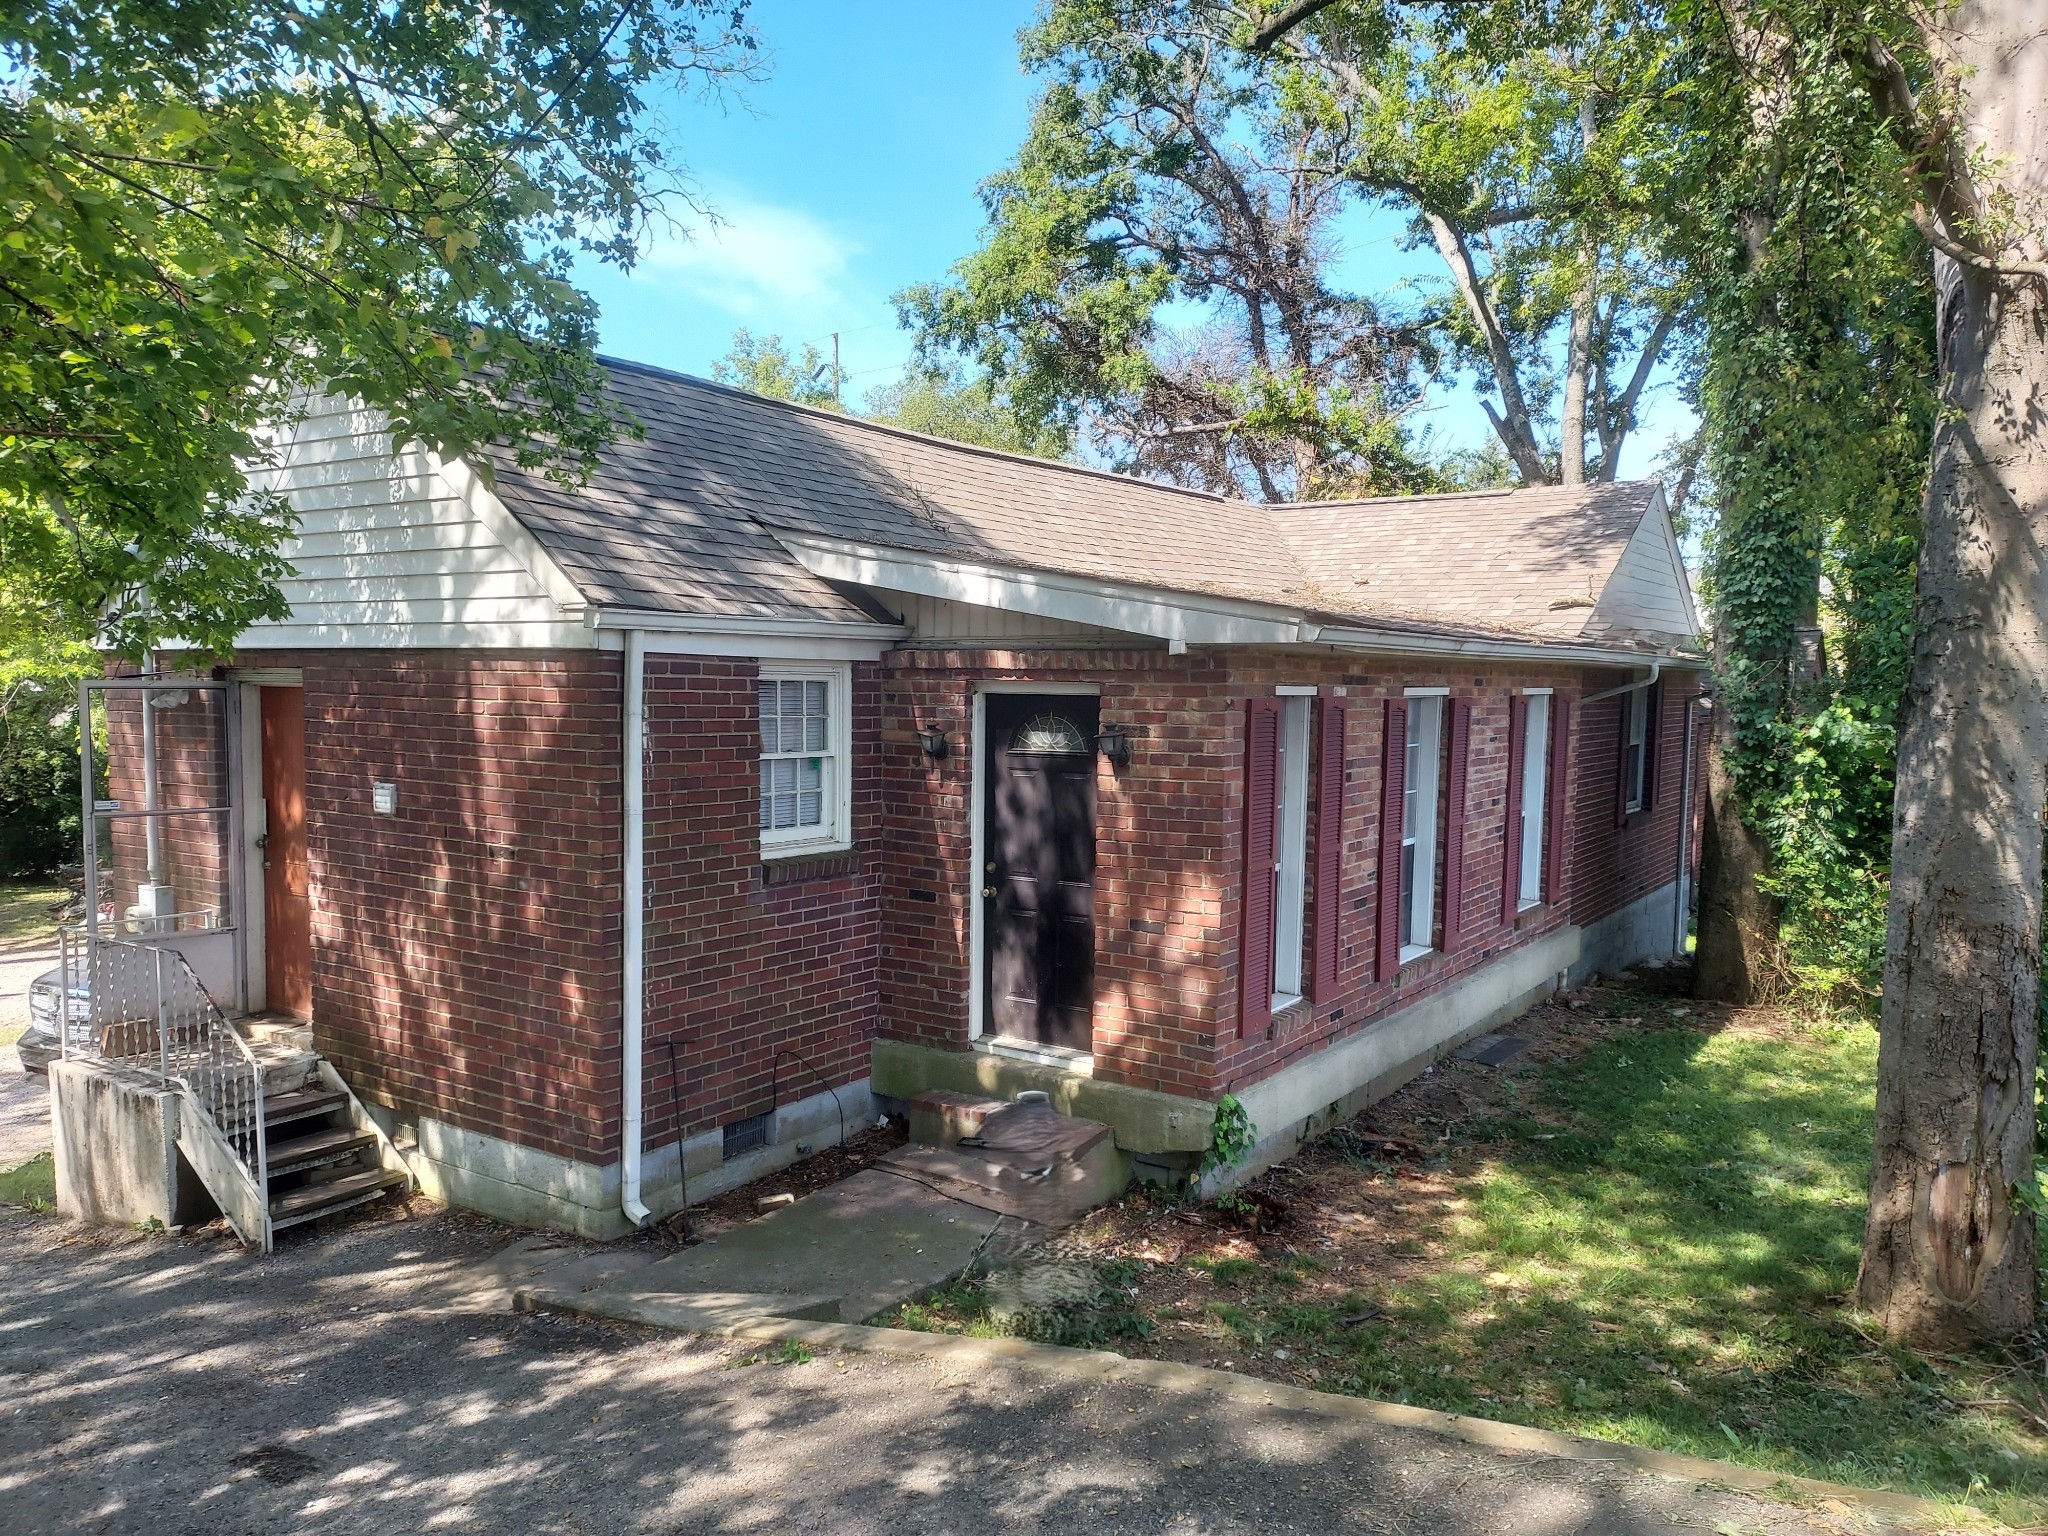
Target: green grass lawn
(1662, 1254)
(1654, 1242)
(33, 1184)
(1671, 1268)
(25, 909)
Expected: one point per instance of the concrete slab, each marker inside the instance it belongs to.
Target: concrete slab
(870, 1242)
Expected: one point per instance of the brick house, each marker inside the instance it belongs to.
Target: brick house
(796, 765)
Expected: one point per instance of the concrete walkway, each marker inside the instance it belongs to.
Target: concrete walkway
(843, 1253)
(355, 1382)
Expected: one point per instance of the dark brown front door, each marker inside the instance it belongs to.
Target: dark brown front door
(1039, 874)
(287, 898)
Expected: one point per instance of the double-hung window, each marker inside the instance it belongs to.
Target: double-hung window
(1535, 797)
(805, 768)
(1290, 850)
(1419, 824)
(1635, 750)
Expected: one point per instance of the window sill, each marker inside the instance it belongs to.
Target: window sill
(810, 849)
(1414, 952)
(1073, 1063)
(1285, 1002)
(1523, 907)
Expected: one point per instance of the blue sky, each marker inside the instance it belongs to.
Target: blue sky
(849, 172)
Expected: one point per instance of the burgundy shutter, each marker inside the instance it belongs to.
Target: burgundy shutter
(1454, 824)
(1511, 858)
(1393, 781)
(1560, 765)
(1329, 845)
(1261, 786)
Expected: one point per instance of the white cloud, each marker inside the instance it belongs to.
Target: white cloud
(759, 262)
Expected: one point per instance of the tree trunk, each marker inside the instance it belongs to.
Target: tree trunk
(1949, 1251)
(1738, 923)
(1578, 364)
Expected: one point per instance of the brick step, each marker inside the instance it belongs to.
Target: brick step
(317, 1149)
(309, 1202)
(939, 1118)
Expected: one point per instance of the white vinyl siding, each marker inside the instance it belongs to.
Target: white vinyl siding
(394, 549)
(1290, 851)
(1419, 828)
(939, 620)
(1648, 591)
(1535, 797)
(805, 772)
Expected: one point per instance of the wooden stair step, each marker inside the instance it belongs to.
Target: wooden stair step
(311, 1201)
(315, 1149)
(302, 1104)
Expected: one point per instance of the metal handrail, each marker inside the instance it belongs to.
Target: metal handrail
(184, 1040)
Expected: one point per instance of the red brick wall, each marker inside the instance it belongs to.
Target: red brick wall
(1169, 849)
(1362, 995)
(466, 950)
(1159, 887)
(746, 960)
(1617, 863)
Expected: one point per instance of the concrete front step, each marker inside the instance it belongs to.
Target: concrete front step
(1023, 1159)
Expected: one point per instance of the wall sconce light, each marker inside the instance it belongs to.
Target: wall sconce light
(933, 739)
(1114, 745)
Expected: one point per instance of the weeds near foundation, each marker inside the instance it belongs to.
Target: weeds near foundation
(1109, 1314)
(788, 1352)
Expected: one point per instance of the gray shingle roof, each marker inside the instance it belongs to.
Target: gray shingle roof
(685, 520)
(1529, 561)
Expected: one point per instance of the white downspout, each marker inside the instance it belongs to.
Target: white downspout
(635, 915)
(1684, 880)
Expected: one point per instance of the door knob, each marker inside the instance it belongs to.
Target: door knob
(988, 890)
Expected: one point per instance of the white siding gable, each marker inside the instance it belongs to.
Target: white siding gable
(1648, 592)
(396, 548)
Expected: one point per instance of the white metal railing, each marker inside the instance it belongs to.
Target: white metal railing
(146, 1009)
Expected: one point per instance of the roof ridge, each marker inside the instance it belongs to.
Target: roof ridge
(848, 419)
(1507, 490)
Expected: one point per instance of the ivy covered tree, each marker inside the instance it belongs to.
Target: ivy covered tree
(209, 208)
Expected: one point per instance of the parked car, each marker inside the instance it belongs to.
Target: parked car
(43, 1041)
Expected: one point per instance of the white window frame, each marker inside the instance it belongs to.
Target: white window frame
(836, 834)
(1290, 849)
(1535, 795)
(1635, 756)
(1426, 746)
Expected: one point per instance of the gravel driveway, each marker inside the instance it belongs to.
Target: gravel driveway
(166, 1385)
(24, 1097)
